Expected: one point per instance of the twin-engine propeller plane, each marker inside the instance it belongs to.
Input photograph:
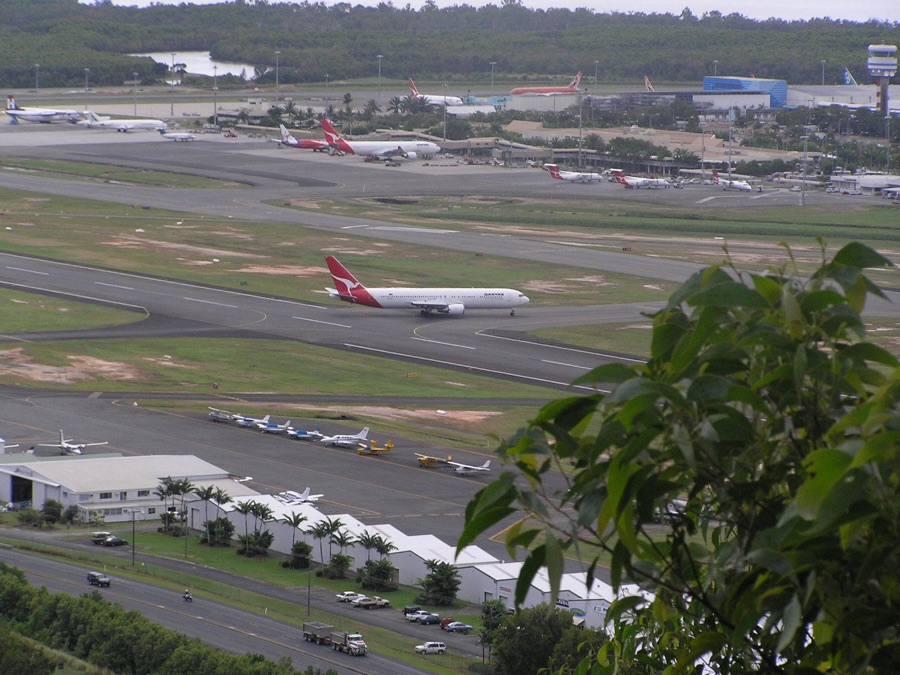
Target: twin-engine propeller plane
(346, 440)
(429, 301)
(68, 447)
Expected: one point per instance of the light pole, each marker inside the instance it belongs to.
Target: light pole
(216, 95)
(37, 77)
(715, 68)
(135, 76)
(580, 128)
(326, 86)
(277, 54)
(87, 74)
(172, 89)
(823, 71)
(702, 150)
(379, 57)
(805, 139)
(133, 542)
(596, 68)
(493, 63)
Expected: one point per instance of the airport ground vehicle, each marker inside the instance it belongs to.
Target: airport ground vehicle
(318, 632)
(97, 579)
(431, 648)
(352, 643)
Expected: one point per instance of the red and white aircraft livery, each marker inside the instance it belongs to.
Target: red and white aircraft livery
(638, 182)
(727, 184)
(433, 99)
(546, 91)
(301, 143)
(381, 149)
(573, 176)
(429, 301)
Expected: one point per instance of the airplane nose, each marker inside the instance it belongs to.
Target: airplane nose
(523, 299)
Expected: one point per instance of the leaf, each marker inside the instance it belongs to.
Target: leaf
(825, 468)
(488, 507)
(729, 295)
(861, 257)
(790, 619)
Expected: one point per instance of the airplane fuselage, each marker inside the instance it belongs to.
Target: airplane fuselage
(470, 298)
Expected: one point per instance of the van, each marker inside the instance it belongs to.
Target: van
(97, 579)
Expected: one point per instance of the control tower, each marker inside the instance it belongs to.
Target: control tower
(882, 66)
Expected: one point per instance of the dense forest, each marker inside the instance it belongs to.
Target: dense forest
(458, 42)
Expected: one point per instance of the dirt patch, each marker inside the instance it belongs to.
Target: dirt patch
(386, 413)
(17, 362)
(132, 242)
(282, 270)
(566, 285)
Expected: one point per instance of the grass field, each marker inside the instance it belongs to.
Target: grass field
(21, 311)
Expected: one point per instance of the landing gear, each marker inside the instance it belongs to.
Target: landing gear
(426, 314)
(512, 312)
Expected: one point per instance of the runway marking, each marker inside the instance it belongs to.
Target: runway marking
(468, 367)
(445, 344)
(22, 269)
(704, 200)
(565, 349)
(567, 365)
(124, 288)
(411, 229)
(210, 302)
(353, 227)
(327, 323)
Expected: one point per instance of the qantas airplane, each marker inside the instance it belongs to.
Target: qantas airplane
(433, 99)
(68, 447)
(300, 143)
(546, 91)
(383, 150)
(177, 136)
(647, 84)
(44, 115)
(731, 184)
(573, 176)
(449, 301)
(95, 121)
(639, 182)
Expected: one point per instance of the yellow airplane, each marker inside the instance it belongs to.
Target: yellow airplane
(429, 462)
(371, 448)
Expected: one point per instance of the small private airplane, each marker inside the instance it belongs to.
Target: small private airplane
(346, 440)
(383, 150)
(306, 498)
(245, 421)
(42, 115)
(429, 301)
(220, 415)
(429, 461)
(94, 121)
(304, 435)
(68, 447)
(273, 428)
(731, 184)
(468, 469)
(573, 176)
(301, 143)
(433, 99)
(372, 448)
(177, 136)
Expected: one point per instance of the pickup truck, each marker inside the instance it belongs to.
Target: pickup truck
(373, 603)
(352, 643)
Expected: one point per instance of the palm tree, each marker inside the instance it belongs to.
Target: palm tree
(221, 498)
(206, 494)
(368, 541)
(372, 108)
(262, 513)
(295, 520)
(332, 527)
(164, 490)
(290, 110)
(343, 539)
(320, 531)
(246, 508)
(383, 547)
(395, 105)
(182, 488)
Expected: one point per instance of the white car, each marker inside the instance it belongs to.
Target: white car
(359, 598)
(415, 616)
(348, 596)
(431, 648)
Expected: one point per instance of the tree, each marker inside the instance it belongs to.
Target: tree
(525, 641)
(368, 540)
(383, 547)
(343, 539)
(332, 525)
(395, 105)
(221, 498)
(207, 494)
(295, 520)
(320, 531)
(770, 430)
(164, 490)
(51, 511)
(245, 508)
(440, 584)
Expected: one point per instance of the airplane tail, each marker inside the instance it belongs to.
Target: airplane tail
(304, 495)
(285, 135)
(265, 420)
(574, 84)
(335, 139)
(11, 103)
(412, 89)
(715, 177)
(344, 281)
(620, 179)
(848, 78)
(648, 84)
(364, 434)
(554, 171)
(486, 465)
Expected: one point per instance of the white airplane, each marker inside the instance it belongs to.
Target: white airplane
(346, 439)
(468, 469)
(68, 447)
(383, 150)
(220, 415)
(449, 301)
(245, 421)
(44, 115)
(306, 498)
(273, 428)
(177, 135)
(638, 182)
(303, 434)
(94, 121)
(301, 143)
(573, 176)
(433, 99)
(731, 184)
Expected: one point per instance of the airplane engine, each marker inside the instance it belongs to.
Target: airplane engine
(410, 155)
(456, 309)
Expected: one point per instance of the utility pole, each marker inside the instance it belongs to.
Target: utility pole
(277, 54)
(135, 77)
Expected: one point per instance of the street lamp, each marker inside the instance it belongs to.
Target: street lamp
(823, 71)
(326, 86)
(216, 95)
(805, 139)
(133, 511)
(277, 54)
(135, 76)
(493, 63)
(715, 68)
(596, 67)
(87, 74)
(379, 57)
(172, 89)
(37, 77)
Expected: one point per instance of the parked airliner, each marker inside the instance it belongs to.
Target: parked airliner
(45, 115)
(94, 121)
(301, 143)
(380, 149)
(68, 447)
(732, 184)
(546, 91)
(433, 99)
(449, 301)
(573, 176)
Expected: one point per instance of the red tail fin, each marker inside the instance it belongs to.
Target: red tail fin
(716, 176)
(647, 84)
(347, 287)
(335, 139)
(554, 171)
(574, 84)
(412, 89)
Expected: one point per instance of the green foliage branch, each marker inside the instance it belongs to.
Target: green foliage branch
(769, 430)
